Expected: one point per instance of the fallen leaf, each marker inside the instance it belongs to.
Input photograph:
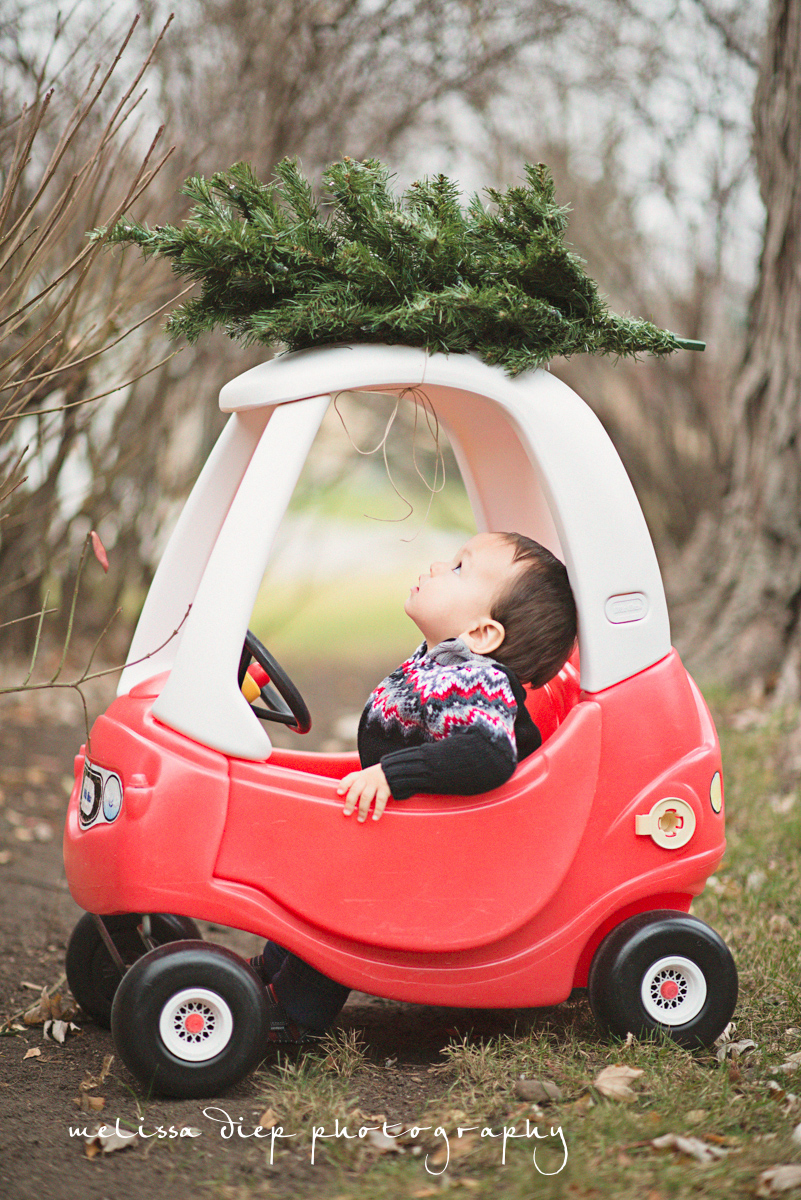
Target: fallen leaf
(541, 1091)
(613, 1082)
(383, 1142)
(50, 1007)
(268, 1119)
(459, 1148)
(93, 1081)
(34, 1052)
(104, 1137)
(693, 1147)
(57, 1031)
(782, 1178)
(735, 1049)
(696, 1116)
(89, 1103)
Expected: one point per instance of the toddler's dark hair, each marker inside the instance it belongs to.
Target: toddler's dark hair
(538, 613)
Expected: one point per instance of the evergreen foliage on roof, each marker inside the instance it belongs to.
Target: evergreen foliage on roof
(416, 269)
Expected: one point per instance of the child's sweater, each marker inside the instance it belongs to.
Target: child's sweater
(447, 721)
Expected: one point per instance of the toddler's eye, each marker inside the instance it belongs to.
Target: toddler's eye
(457, 569)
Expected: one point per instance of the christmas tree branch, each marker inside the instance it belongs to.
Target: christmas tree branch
(416, 269)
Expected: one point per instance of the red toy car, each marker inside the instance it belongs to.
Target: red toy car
(579, 872)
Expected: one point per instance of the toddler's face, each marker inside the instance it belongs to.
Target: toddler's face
(456, 596)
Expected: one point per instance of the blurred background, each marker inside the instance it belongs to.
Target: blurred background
(671, 129)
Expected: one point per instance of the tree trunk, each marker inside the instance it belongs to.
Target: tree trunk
(742, 572)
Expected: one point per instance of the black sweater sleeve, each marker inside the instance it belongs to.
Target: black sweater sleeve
(465, 763)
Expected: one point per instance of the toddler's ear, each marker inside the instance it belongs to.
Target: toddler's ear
(485, 637)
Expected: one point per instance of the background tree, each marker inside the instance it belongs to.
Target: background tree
(74, 151)
(743, 568)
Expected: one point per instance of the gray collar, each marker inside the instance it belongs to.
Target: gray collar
(453, 652)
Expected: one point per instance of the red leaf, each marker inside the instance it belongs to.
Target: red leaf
(100, 550)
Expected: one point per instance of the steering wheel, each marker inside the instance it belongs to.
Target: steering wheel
(284, 702)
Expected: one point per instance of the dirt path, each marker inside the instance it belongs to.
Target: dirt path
(39, 1157)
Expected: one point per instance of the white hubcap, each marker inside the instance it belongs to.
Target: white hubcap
(196, 1024)
(673, 990)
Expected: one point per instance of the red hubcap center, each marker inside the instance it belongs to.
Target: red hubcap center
(194, 1023)
(669, 989)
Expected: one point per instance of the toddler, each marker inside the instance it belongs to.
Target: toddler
(451, 719)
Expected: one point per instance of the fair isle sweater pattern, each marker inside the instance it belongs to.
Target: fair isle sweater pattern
(447, 721)
(438, 693)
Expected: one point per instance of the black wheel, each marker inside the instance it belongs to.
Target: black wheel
(190, 1020)
(664, 972)
(91, 973)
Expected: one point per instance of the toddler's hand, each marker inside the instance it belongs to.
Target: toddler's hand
(363, 787)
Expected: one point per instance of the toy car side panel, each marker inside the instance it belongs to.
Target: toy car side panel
(436, 873)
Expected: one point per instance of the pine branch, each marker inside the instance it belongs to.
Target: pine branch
(496, 279)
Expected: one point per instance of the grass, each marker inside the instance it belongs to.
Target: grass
(297, 619)
(742, 1109)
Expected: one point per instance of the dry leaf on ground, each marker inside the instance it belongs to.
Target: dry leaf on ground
(104, 1137)
(613, 1082)
(34, 1052)
(779, 1179)
(459, 1148)
(735, 1049)
(90, 1104)
(693, 1147)
(50, 1007)
(541, 1091)
(56, 1031)
(93, 1081)
(383, 1142)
